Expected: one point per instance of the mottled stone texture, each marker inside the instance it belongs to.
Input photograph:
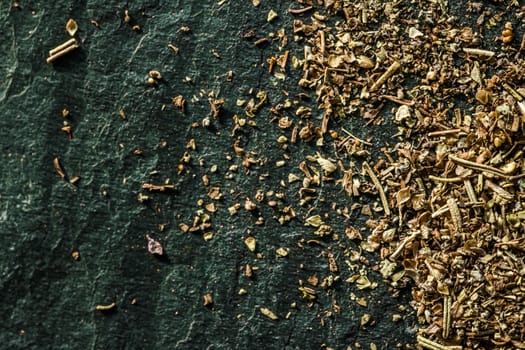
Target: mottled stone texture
(48, 298)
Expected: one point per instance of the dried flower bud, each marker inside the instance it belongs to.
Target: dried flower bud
(506, 33)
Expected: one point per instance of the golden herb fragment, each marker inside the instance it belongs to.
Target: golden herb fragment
(155, 74)
(174, 48)
(248, 271)
(62, 50)
(268, 313)
(179, 102)
(95, 23)
(74, 179)
(479, 52)
(365, 319)
(363, 282)
(282, 252)
(107, 307)
(324, 230)
(271, 16)
(298, 11)
(431, 345)
(483, 96)
(216, 107)
(207, 299)
(122, 114)
(208, 236)
(215, 193)
(308, 294)
(249, 205)
(251, 243)
(68, 130)
(71, 27)
(379, 187)
(58, 168)
(327, 166)
(160, 188)
(315, 220)
(385, 76)
(211, 207)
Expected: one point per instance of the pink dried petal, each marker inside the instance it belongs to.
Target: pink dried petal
(154, 247)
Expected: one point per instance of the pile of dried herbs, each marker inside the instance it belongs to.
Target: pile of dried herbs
(451, 218)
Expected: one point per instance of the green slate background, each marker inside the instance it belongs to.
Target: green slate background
(48, 299)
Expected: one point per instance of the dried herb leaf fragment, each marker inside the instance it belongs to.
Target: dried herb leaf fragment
(251, 243)
(268, 313)
(71, 27)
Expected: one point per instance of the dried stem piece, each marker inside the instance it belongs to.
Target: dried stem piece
(62, 46)
(479, 52)
(102, 307)
(402, 245)
(521, 107)
(58, 168)
(429, 344)
(355, 137)
(499, 190)
(299, 11)
(445, 179)
(322, 44)
(440, 211)
(447, 303)
(174, 48)
(470, 192)
(377, 184)
(477, 166)
(389, 72)
(396, 99)
(160, 188)
(513, 92)
(443, 132)
(61, 50)
(455, 214)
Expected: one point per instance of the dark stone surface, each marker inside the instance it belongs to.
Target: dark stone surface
(48, 299)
